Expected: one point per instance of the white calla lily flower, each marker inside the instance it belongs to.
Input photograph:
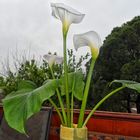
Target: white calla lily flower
(53, 59)
(66, 14)
(90, 39)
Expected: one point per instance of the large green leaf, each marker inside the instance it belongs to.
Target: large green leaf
(26, 84)
(22, 104)
(129, 84)
(76, 84)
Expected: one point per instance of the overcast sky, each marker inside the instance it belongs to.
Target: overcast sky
(28, 25)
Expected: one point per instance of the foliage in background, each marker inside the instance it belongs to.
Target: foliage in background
(30, 70)
(119, 59)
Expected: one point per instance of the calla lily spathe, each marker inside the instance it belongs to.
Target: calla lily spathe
(66, 14)
(53, 59)
(90, 39)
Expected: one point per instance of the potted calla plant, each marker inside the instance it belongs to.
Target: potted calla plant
(20, 105)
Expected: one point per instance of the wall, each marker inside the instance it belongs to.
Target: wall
(105, 126)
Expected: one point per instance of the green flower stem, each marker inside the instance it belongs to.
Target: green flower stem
(60, 99)
(84, 102)
(72, 102)
(57, 110)
(65, 31)
(72, 109)
(100, 102)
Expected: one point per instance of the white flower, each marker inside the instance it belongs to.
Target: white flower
(90, 39)
(66, 14)
(53, 59)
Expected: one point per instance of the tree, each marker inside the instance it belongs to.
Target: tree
(30, 70)
(119, 48)
(131, 71)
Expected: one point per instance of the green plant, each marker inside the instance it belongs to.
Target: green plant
(120, 47)
(35, 71)
(27, 100)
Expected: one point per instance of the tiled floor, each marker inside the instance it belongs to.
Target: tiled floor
(102, 136)
(54, 133)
